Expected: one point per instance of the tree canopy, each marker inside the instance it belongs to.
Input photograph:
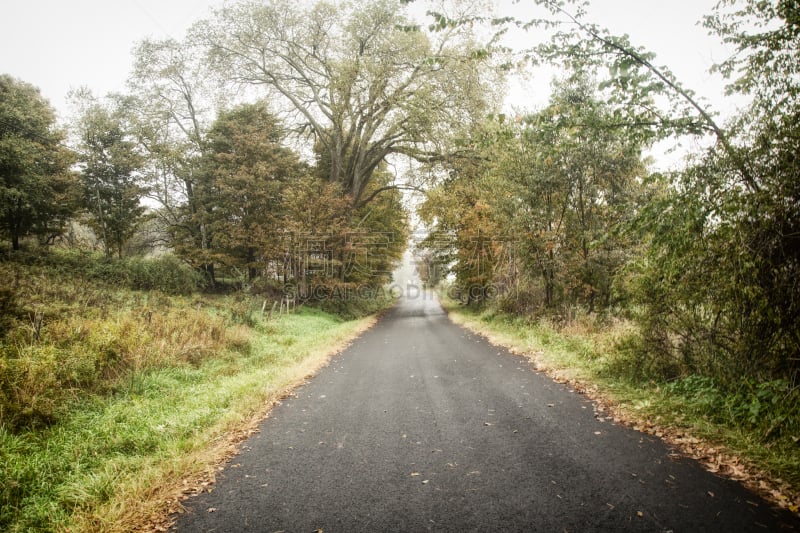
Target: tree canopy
(266, 139)
(38, 191)
(111, 165)
(360, 77)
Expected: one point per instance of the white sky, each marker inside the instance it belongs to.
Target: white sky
(59, 45)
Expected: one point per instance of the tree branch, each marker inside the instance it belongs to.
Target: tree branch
(672, 84)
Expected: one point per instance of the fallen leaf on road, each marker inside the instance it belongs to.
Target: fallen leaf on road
(487, 424)
(425, 481)
(211, 509)
(639, 514)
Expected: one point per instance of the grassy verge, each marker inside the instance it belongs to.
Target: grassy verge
(690, 413)
(122, 401)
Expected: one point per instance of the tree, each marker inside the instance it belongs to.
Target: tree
(465, 237)
(718, 285)
(361, 78)
(578, 180)
(721, 284)
(172, 115)
(38, 193)
(541, 204)
(316, 226)
(242, 177)
(111, 173)
(334, 252)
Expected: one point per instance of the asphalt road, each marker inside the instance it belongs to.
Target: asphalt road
(421, 425)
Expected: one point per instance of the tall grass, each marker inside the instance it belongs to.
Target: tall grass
(110, 396)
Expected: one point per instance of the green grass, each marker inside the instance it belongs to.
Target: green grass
(101, 465)
(756, 428)
(125, 392)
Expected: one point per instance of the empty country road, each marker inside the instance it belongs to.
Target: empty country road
(422, 426)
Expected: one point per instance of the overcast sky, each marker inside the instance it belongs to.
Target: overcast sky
(58, 45)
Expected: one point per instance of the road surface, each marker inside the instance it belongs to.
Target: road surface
(422, 426)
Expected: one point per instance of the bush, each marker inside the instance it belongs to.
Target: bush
(8, 309)
(166, 273)
(350, 308)
(767, 409)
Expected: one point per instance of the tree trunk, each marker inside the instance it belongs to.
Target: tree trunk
(208, 268)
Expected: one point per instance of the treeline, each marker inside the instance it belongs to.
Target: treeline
(546, 212)
(559, 211)
(252, 212)
(194, 153)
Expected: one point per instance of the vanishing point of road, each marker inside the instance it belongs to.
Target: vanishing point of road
(421, 425)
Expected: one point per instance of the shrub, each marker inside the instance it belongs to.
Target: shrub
(166, 273)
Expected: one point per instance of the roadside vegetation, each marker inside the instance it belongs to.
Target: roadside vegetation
(750, 435)
(675, 292)
(115, 396)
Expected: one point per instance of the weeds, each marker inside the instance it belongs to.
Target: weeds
(120, 393)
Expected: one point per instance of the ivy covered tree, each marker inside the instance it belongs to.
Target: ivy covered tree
(38, 191)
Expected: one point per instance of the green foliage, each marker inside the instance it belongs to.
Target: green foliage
(355, 77)
(111, 166)
(169, 114)
(767, 409)
(335, 251)
(715, 292)
(269, 223)
(238, 191)
(98, 461)
(165, 273)
(38, 193)
(9, 308)
(719, 287)
(357, 304)
(91, 331)
(543, 206)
